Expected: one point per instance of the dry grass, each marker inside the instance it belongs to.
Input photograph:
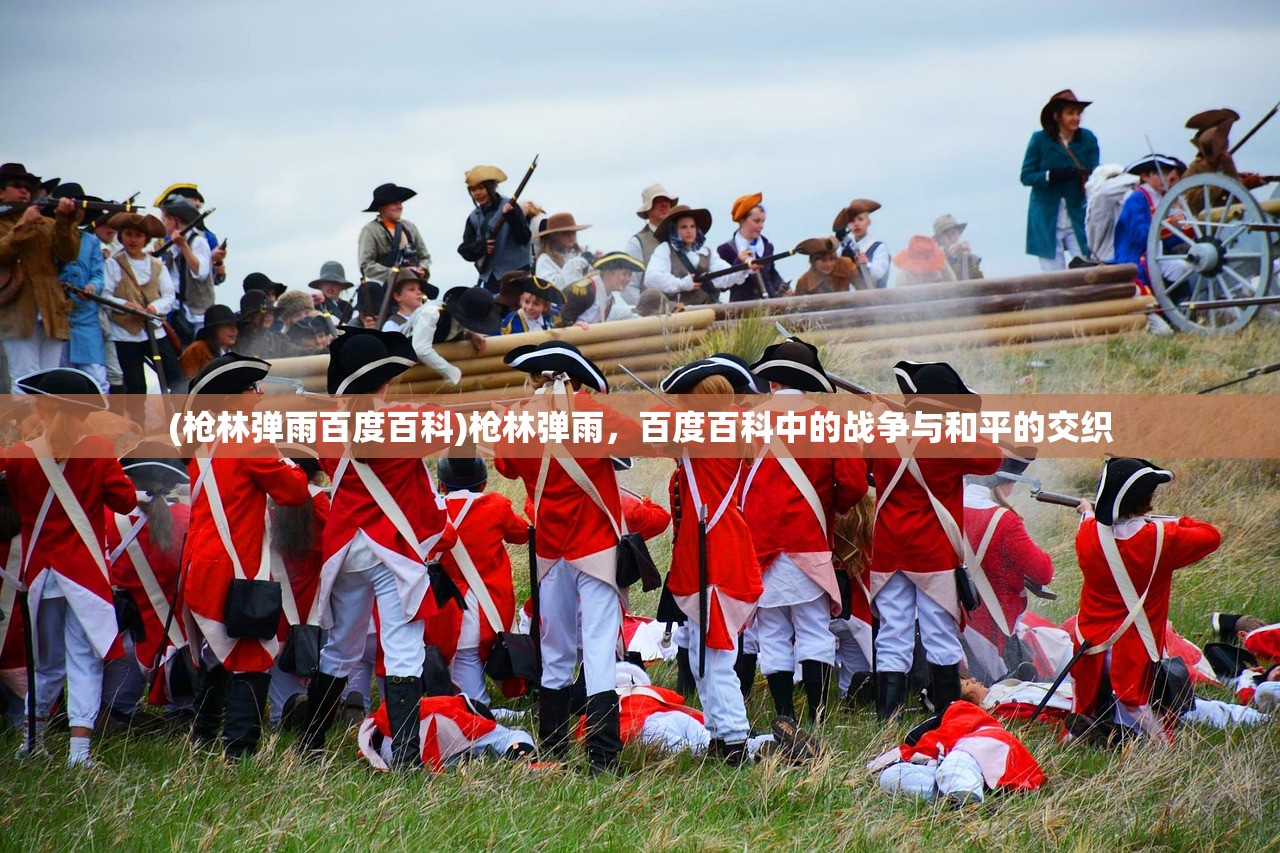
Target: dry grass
(1212, 790)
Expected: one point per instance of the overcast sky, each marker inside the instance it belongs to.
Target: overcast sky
(287, 115)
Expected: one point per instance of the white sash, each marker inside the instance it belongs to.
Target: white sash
(75, 512)
(385, 502)
(1137, 616)
(150, 585)
(980, 580)
(697, 498)
(216, 509)
(948, 522)
(127, 535)
(472, 575)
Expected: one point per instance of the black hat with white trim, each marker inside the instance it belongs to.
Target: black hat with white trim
(66, 384)
(1228, 660)
(744, 382)
(1014, 466)
(363, 360)
(157, 461)
(1156, 163)
(929, 379)
(457, 473)
(232, 373)
(301, 455)
(684, 379)
(1125, 484)
(555, 357)
(795, 364)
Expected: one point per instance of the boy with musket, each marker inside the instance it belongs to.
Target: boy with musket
(67, 481)
(227, 562)
(872, 257)
(329, 287)
(655, 204)
(1127, 560)
(188, 262)
(497, 237)
(390, 240)
(918, 544)
(791, 506)
(479, 566)
(31, 245)
(385, 523)
(579, 523)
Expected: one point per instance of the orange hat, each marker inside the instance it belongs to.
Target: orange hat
(743, 205)
(921, 255)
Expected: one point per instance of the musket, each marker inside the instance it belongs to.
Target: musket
(195, 223)
(702, 591)
(1213, 304)
(535, 599)
(1266, 118)
(149, 322)
(93, 224)
(1251, 373)
(168, 623)
(482, 265)
(645, 385)
(745, 265)
(296, 384)
(846, 384)
(385, 308)
(1085, 645)
(79, 203)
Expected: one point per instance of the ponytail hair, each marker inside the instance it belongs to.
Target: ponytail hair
(156, 510)
(63, 429)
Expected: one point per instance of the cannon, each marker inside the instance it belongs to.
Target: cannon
(1212, 271)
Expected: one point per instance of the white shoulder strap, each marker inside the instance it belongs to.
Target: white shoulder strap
(12, 570)
(147, 575)
(75, 512)
(35, 536)
(985, 591)
(580, 478)
(127, 535)
(1137, 616)
(219, 513)
(280, 574)
(697, 497)
(472, 575)
(387, 504)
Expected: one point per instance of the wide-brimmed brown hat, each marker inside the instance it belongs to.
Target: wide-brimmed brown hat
(408, 274)
(144, 222)
(478, 175)
(852, 209)
(651, 193)
(816, 247)
(1212, 118)
(700, 215)
(558, 223)
(1065, 98)
(922, 255)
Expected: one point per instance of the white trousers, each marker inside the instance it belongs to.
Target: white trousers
(901, 604)
(403, 649)
(496, 742)
(27, 355)
(65, 653)
(853, 643)
(750, 639)
(467, 673)
(957, 775)
(674, 731)
(720, 693)
(795, 632)
(1064, 241)
(1220, 715)
(284, 686)
(563, 594)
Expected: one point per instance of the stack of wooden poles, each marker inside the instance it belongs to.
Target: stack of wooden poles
(1019, 311)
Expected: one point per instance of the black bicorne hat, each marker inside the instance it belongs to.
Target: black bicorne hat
(362, 360)
(557, 357)
(1124, 484)
(66, 384)
(232, 373)
(1228, 660)
(795, 364)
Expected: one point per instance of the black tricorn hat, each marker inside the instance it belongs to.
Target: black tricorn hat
(69, 190)
(1228, 660)
(252, 303)
(462, 472)
(363, 360)
(795, 364)
(472, 309)
(513, 285)
(685, 378)
(1224, 625)
(1124, 484)
(259, 281)
(744, 381)
(229, 374)
(369, 298)
(66, 384)
(929, 379)
(557, 357)
(388, 194)
(155, 460)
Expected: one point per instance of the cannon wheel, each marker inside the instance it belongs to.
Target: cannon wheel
(1216, 255)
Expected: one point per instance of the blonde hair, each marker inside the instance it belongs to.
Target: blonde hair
(853, 536)
(63, 430)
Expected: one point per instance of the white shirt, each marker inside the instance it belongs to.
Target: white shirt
(878, 259)
(111, 275)
(202, 270)
(421, 330)
(660, 274)
(574, 270)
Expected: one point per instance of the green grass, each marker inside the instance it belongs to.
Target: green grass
(1212, 790)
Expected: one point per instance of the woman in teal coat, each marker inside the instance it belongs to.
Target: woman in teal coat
(1058, 161)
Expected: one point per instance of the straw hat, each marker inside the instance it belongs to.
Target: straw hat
(921, 255)
(558, 223)
(477, 176)
(649, 194)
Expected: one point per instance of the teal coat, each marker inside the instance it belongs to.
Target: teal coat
(1043, 154)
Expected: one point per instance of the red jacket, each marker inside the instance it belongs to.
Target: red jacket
(1264, 642)
(490, 524)
(1103, 609)
(164, 569)
(1012, 558)
(1005, 763)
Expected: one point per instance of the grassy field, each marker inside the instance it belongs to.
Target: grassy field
(1212, 790)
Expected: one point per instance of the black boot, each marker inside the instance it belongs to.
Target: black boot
(604, 741)
(745, 667)
(211, 698)
(324, 694)
(945, 685)
(246, 703)
(553, 722)
(734, 754)
(861, 692)
(816, 676)
(782, 687)
(685, 685)
(891, 693)
(404, 701)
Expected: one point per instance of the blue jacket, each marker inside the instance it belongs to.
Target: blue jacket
(87, 344)
(1133, 226)
(1043, 154)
